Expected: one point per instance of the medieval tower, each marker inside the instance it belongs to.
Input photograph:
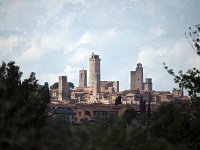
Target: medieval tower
(137, 78)
(63, 88)
(82, 78)
(95, 76)
(148, 85)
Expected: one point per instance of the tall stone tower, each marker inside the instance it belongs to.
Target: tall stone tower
(63, 88)
(82, 78)
(95, 75)
(137, 78)
(148, 85)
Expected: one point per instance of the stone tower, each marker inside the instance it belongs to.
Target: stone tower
(63, 88)
(82, 78)
(137, 78)
(148, 85)
(95, 75)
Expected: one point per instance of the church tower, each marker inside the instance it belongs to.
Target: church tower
(95, 75)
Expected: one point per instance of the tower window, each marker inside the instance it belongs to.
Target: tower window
(81, 75)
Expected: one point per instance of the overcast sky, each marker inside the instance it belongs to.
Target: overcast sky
(57, 37)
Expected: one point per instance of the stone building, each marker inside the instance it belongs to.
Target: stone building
(148, 85)
(95, 75)
(63, 88)
(177, 93)
(110, 86)
(137, 78)
(82, 78)
(53, 94)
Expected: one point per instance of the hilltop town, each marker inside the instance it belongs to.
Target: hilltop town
(102, 98)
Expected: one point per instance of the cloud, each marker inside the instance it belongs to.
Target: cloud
(30, 56)
(7, 44)
(72, 73)
(157, 31)
(92, 39)
(50, 42)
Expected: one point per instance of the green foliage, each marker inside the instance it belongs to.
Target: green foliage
(71, 85)
(189, 80)
(180, 124)
(55, 85)
(118, 100)
(129, 115)
(22, 108)
(173, 122)
(194, 36)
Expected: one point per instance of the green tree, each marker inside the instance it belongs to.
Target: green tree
(191, 79)
(185, 127)
(193, 38)
(118, 100)
(71, 85)
(22, 108)
(129, 115)
(55, 85)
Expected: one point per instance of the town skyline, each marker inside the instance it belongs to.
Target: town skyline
(56, 38)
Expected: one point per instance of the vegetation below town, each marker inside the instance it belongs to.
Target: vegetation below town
(172, 127)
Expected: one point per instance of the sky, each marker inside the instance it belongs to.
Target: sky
(56, 37)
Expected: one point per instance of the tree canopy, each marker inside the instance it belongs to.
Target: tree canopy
(22, 107)
(55, 85)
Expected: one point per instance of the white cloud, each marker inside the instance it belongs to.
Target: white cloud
(157, 32)
(92, 39)
(67, 21)
(7, 44)
(31, 55)
(151, 8)
(71, 71)
(79, 56)
(50, 42)
(98, 38)
(50, 77)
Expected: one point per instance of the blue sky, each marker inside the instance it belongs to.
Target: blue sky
(57, 37)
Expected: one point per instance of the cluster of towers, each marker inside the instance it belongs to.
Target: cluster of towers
(94, 75)
(97, 88)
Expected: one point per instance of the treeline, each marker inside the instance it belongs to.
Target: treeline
(172, 127)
